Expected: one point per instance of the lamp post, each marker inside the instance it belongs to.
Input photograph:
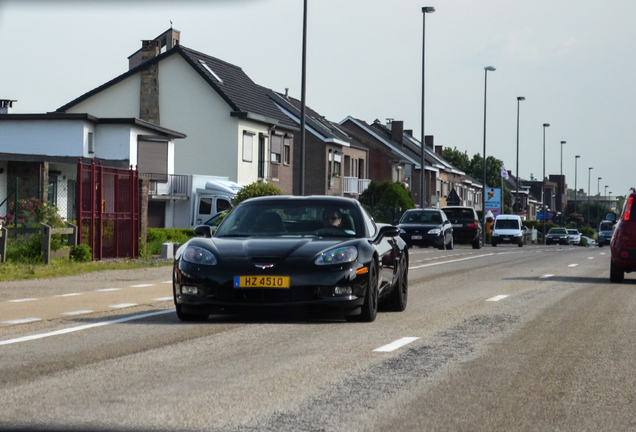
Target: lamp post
(561, 184)
(425, 10)
(598, 200)
(483, 197)
(589, 176)
(519, 99)
(303, 102)
(609, 198)
(576, 170)
(605, 193)
(545, 125)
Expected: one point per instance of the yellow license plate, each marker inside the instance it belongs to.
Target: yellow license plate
(261, 282)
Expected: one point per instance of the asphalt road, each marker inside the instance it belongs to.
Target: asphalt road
(505, 338)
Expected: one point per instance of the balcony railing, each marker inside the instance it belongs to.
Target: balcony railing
(167, 184)
(354, 185)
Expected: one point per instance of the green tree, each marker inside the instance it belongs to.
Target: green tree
(255, 190)
(456, 158)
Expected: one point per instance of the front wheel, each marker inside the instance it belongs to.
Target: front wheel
(399, 296)
(370, 305)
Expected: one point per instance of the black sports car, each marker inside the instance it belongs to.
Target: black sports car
(287, 251)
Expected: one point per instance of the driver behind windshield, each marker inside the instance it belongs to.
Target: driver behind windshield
(332, 218)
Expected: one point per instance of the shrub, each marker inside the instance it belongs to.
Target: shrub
(158, 236)
(583, 242)
(255, 190)
(81, 253)
(24, 248)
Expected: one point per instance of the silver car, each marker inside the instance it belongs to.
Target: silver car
(575, 236)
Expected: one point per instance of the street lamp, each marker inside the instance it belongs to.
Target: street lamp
(545, 125)
(589, 176)
(519, 99)
(425, 10)
(483, 197)
(598, 189)
(576, 170)
(303, 86)
(609, 198)
(561, 184)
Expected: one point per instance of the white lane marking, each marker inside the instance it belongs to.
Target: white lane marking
(497, 298)
(167, 281)
(546, 276)
(141, 285)
(590, 257)
(163, 299)
(83, 327)
(451, 261)
(602, 253)
(122, 305)
(22, 321)
(77, 312)
(22, 300)
(68, 295)
(396, 344)
(108, 289)
(572, 265)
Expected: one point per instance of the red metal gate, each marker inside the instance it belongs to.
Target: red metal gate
(108, 210)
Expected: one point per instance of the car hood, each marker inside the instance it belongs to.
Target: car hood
(278, 247)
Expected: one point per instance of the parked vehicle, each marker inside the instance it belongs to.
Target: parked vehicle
(323, 253)
(605, 231)
(508, 229)
(558, 236)
(465, 224)
(574, 235)
(590, 241)
(424, 228)
(623, 243)
(203, 197)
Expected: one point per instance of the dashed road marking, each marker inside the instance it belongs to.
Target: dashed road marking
(108, 289)
(451, 261)
(163, 299)
(167, 282)
(590, 257)
(497, 298)
(77, 312)
(68, 295)
(22, 320)
(572, 265)
(22, 300)
(396, 344)
(122, 305)
(141, 285)
(546, 276)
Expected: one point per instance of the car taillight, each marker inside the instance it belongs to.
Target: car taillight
(472, 225)
(628, 209)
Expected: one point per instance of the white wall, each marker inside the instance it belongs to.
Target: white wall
(248, 171)
(43, 137)
(120, 100)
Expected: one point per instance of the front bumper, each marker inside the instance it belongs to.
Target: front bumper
(507, 239)
(216, 291)
(423, 240)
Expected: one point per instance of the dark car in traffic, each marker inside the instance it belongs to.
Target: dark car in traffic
(558, 236)
(466, 226)
(426, 228)
(605, 232)
(623, 243)
(303, 253)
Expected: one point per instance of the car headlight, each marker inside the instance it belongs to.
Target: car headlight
(338, 256)
(435, 231)
(518, 235)
(198, 255)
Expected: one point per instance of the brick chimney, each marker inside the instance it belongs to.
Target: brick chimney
(397, 131)
(149, 90)
(429, 141)
(438, 150)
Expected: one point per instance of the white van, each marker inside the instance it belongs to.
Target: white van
(507, 229)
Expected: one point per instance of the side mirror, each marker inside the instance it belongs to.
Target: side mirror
(203, 231)
(387, 231)
(395, 222)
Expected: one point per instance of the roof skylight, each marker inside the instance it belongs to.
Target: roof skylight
(204, 64)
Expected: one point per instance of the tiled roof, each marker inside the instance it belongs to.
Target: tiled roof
(243, 95)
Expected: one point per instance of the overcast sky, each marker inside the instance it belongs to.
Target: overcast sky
(573, 60)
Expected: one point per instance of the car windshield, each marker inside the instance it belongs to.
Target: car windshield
(573, 231)
(459, 213)
(293, 218)
(557, 231)
(506, 224)
(425, 217)
(605, 226)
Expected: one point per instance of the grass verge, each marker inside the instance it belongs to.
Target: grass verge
(21, 271)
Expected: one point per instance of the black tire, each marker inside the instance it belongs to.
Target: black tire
(494, 244)
(443, 246)
(521, 243)
(477, 244)
(399, 296)
(370, 306)
(186, 317)
(616, 274)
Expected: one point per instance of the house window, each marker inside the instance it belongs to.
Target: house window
(152, 160)
(91, 143)
(276, 148)
(337, 164)
(248, 146)
(287, 151)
